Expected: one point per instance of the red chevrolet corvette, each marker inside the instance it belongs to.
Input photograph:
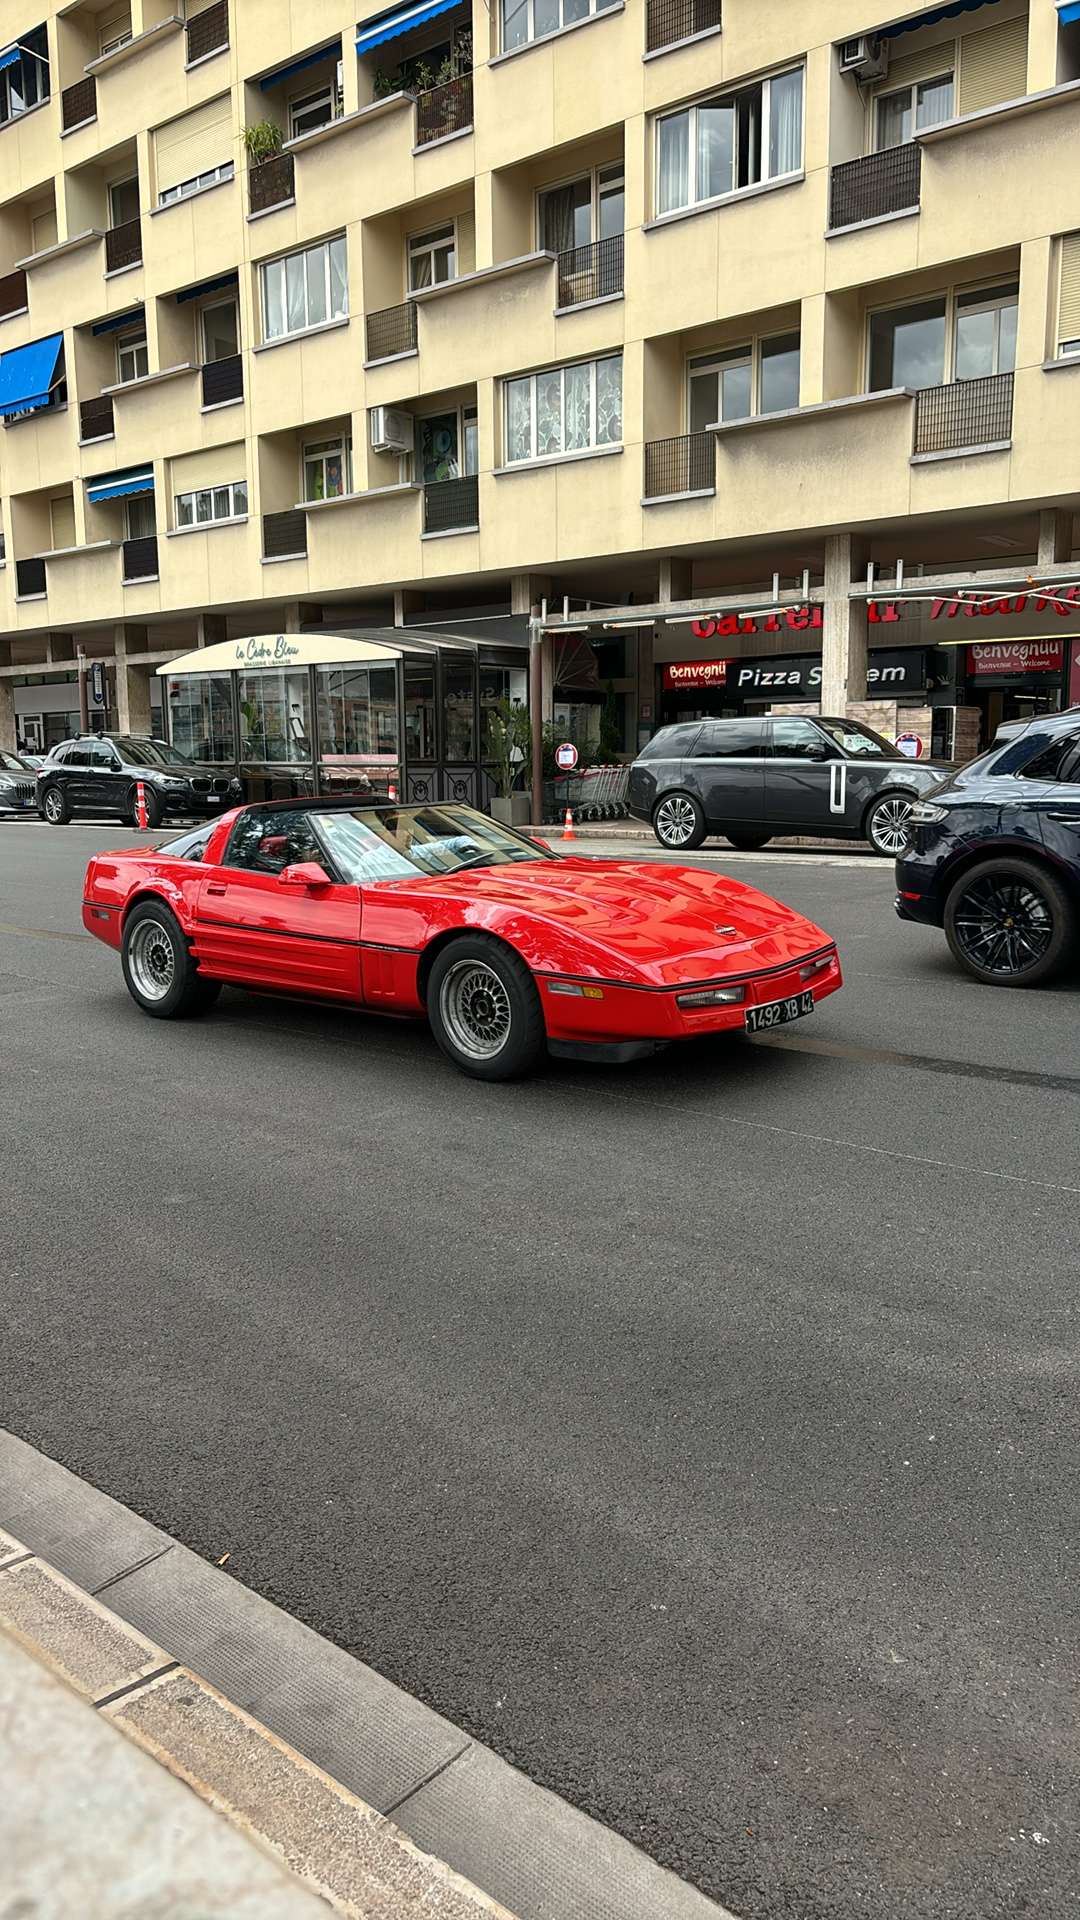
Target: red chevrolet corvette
(436, 910)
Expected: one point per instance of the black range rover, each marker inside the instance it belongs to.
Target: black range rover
(753, 779)
(100, 773)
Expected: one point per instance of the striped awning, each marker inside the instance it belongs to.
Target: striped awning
(9, 55)
(120, 486)
(330, 52)
(931, 18)
(118, 320)
(27, 373)
(399, 20)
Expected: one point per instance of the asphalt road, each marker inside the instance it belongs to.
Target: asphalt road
(700, 1434)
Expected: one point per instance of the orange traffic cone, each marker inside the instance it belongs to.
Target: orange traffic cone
(568, 828)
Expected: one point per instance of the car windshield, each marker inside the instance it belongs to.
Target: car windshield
(396, 843)
(12, 764)
(859, 741)
(150, 753)
(190, 846)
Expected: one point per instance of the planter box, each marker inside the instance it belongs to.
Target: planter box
(516, 811)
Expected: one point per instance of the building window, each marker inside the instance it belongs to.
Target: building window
(725, 145)
(220, 332)
(447, 445)
(985, 336)
(581, 211)
(305, 289)
(907, 347)
(141, 518)
(197, 182)
(901, 115)
(958, 336)
(565, 410)
(431, 257)
(307, 111)
(124, 201)
(208, 506)
(1068, 326)
(762, 377)
(114, 33)
(525, 20)
(131, 358)
(24, 83)
(328, 469)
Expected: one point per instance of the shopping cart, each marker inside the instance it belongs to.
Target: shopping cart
(596, 793)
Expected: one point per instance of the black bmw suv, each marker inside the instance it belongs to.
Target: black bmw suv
(100, 773)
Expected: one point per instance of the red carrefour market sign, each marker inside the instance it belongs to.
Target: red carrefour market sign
(695, 673)
(1016, 656)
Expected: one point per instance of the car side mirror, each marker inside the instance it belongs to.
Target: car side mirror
(819, 751)
(306, 873)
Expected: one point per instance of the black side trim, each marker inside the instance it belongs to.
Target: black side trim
(694, 986)
(285, 933)
(383, 946)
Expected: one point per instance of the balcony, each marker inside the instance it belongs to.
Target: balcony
(677, 467)
(391, 331)
(444, 110)
(123, 246)
(591, 273)
(285, 535)
(13, 293)
(876, 185)
(452, 506)
(140, 558)
(78, 104)
(30, 579)
(271, 183)
(223, 380)
(208, 32)
(968, 414)
(669, 21)
(96, 418)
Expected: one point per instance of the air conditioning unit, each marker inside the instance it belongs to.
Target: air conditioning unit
(865, 57)
(391, 430)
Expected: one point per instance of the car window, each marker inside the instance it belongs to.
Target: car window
(75, 757)
(190, 846)
(794, 739)
(151, 753)
(859, 741)
(269, 842)
(1053, 760)
(671, 743)
(102, 755)
(731, 740)
(12, 763)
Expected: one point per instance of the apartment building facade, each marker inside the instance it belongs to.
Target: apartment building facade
(734, 345)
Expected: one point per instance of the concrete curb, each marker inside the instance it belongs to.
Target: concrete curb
(344, 1730)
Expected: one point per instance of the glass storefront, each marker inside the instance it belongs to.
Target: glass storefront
(357, 728)
(201, 715)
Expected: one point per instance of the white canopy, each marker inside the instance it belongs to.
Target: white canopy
(282, 650)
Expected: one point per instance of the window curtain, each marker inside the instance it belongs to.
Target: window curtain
(557, 220)
(674, 174)
(785, 123)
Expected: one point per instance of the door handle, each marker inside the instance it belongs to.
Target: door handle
(211, 888)
(1071, 819)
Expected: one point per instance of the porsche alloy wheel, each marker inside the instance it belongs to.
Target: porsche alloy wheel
(1008, 922)
(159, 967)
(887, 824)
(484, 1008)
(678, 822)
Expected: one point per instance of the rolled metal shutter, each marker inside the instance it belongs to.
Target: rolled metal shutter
(993, 65)
(466, 243)
(193, 144)
(1069, 294)
(912, 67)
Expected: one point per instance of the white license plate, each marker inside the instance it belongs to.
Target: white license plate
(777, 1013)
(213, 799)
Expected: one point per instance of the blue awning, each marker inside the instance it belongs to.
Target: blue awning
(26, 375)
(208, 286)
(119, 320)
(117, 486)
(931, 19)
(332, 52)
(9, 56)
(1068, 11)
(398, 20)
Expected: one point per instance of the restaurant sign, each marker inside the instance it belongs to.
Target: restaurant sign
(964, 604)
(899, 670)
(1016, 656)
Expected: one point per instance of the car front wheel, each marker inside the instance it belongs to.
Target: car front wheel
(159, 966)
(887, 824)
(1009, 923)
(55, 806)
(484, 1008)
(679, 822)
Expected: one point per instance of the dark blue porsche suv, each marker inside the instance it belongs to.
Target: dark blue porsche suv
(993, 856)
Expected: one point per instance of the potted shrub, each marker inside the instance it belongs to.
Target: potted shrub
(263, 142)
(511, 736)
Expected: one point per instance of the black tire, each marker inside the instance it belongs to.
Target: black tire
(748, 842)
(159, 967)
(484, 1008)
(55, 807)
(885, 823)
(1010, 923)
(679, 822)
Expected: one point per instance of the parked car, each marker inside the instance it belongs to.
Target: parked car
(438, 911)
(993, 856)
(18, 788)
(100, 772)
(752, 779)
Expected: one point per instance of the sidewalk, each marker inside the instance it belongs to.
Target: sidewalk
(636, 830)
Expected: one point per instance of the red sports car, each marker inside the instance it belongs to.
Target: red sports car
(412, 910)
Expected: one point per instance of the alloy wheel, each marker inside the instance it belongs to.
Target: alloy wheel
(475, 1009)
(151, 959)
(54, 808)
(675, 821)
(1003, 926)
(889, 824)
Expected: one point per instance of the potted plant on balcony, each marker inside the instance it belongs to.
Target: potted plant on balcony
(262, 141)
(511, 738)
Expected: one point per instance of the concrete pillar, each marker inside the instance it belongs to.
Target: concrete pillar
(528, 590)
(676, 579)
(132, 698)
(59, 646)
(405, 602)
(7, 715)
(843, 652)
(212, 629)
(1055, 536)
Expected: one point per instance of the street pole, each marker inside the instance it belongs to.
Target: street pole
(84, 704)
(536, 713)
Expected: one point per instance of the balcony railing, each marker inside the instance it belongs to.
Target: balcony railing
(208, 32)
(271, 183)
(140, 558)
(123, 245)
(967, 413)
(284, 535)
(451, 506)
(443, 110)
(877, 184)
(13, 292)
(96, 418)
(669, 21)
(591, 273)
(223, 380)
(686, 464)
(29, 578)
(391, 331)
(78, 103)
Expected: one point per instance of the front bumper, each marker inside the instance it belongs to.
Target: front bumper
(614, 1014)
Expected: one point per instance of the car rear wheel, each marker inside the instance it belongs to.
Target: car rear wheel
(159, 966)
(679, 823)
(55, 806)
(153, 808)
(748, 842)
(887, 822)
(484, 1008)
(1009, 923)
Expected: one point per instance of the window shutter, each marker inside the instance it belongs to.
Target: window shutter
(993, 65)
(210, 467)
(912, 67)
(194, 143)
(1069, 297)
(62, 515)
(465, 246)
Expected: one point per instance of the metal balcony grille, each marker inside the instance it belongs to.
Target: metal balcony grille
(271, 182)
(13, 292)
(969, 413)
(123, 245)
(591, 273)
(392, 330)
(140, 558)
(208, 32)
(684, 465)
(669, 21)
(879, 183)
(29, 577)
(452, 505)
(284, 535)
(96, 418)
(223, 380)
(445, 109)
(78, 103)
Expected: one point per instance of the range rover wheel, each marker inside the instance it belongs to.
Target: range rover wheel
(55, 806)
(159, 967)
(748, 842)
(1008, 922)
(678, 822)
(886, 824)
(484, 1008)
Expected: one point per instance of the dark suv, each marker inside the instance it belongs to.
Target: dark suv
(753, 779)
(100, 772)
